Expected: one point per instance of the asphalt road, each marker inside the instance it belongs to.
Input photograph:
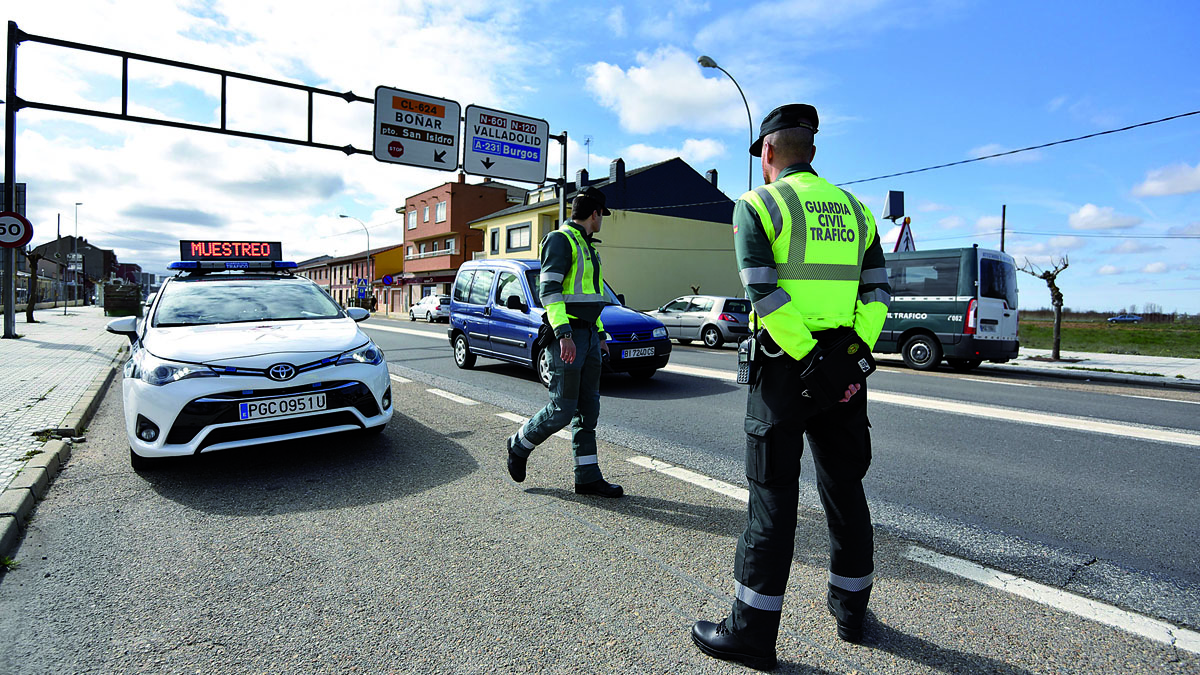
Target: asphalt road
(1109, 513)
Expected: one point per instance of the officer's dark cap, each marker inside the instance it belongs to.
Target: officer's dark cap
(593, 196)
(790, 116)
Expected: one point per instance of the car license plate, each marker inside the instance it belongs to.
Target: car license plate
(252, 410)
(635, 353)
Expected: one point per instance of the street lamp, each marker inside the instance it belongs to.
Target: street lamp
(75, 250)
(707, 62)
(370, 267)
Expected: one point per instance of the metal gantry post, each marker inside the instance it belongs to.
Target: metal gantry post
(10, 181)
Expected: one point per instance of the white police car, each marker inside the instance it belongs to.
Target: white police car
(236, 351)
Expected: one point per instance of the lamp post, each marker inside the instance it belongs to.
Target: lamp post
(75, 251)
(707, 62)
(370, 272)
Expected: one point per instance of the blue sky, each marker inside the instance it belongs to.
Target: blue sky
(899, 86)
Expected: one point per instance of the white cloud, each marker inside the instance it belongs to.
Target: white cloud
(888, 240)
(1155, 268)
(951, 222)
(1109, 270)
(1057, 103)
(1178, 179)
(995, 148)
(929, 207)
(1066, 243)
(694, 151)
(1130, 246)
(988, 224)
(666, 89)
(616, 21)
(1092, 217)
(1190, 228)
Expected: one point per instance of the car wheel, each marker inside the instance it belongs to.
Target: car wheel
(140, 463)
(463, 358)
(963, 365)
(643, 373)
(411, 316)
(684, 342)
(922, 352)
(712, 337)
(428, 317)
(544, 363)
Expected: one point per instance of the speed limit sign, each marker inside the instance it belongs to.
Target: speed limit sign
(15, 230)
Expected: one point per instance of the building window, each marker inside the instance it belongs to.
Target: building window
(435, 245)
(450, 245)
(441, 212)
(517, 237)
(495, 240)
(412, 219)
(422, 247)
(426, 217)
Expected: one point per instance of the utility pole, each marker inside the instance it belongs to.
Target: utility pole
(1003, 215)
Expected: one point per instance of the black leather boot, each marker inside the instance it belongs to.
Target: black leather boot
(600, 487)
(850, 610)
(716, 640)
(516, 463)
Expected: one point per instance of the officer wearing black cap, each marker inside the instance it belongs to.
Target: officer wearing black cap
(809, 257)
(572, 291)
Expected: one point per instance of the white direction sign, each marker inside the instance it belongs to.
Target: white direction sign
(416, 129)
(505, 145)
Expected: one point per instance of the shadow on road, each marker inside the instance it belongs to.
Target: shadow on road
(911, 648)
(662, 387)
(323, 473)
(713, 520)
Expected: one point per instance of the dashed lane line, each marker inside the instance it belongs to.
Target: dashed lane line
(513, 417)
(453, 397)
(1099, 612)
(399, 380)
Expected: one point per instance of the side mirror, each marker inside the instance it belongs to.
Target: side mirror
(358, 313)
(514, 302)
(621, 298)
(126, 325)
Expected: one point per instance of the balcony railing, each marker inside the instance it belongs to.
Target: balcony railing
(430, 254)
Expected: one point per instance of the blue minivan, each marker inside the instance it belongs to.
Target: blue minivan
(495, 312)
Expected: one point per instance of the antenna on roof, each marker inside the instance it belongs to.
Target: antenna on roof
(587, 143)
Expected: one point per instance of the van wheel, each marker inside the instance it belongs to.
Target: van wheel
(463, 358)
(543, 363)
(963, 365)
(922, 352)
(712, 337)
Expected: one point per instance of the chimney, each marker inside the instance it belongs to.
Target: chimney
(711, 175)
(581, 179)
(462, 178)
(616, 172)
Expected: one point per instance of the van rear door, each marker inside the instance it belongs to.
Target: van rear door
(996, 297)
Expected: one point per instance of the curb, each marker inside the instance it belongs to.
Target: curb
(30, 485)
(1096, 376)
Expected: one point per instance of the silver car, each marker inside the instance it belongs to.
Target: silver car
(711, 318)
(431, 308)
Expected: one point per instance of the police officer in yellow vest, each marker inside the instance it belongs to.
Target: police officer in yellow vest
(572, 291)
(810, 259)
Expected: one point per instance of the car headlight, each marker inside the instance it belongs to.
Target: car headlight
(660, 332)
(368, 354)
(157, 372)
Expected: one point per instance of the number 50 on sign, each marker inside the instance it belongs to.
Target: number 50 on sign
(15, 230)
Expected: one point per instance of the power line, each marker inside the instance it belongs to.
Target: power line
(1032, 147)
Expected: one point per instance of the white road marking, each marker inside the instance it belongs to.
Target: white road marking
(1087, 424)
(1099, 612)
(1159, 398)
(453, 397)
(1092, 425)
(513, 417)
(1010, 384)
(400, 380)
(721, 487)
(406, 331)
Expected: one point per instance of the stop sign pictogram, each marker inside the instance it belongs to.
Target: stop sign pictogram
(395, 149)
(15, 230)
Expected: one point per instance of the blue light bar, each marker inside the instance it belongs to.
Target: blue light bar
(285, 264)
(183, 265)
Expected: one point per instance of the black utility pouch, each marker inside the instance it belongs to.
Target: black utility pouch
(833, 369)
(746, 352)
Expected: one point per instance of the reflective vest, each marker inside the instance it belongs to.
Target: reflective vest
(819, 234)
(583, 283)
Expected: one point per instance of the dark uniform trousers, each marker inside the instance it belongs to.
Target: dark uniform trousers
(574, 400)
(778, 418)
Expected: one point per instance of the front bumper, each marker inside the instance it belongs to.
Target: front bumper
(619, 363)
(201, 415)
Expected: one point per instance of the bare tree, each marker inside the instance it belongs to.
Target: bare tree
(1056, 296)
(34, 259)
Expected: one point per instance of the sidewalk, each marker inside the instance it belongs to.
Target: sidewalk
(49, 378)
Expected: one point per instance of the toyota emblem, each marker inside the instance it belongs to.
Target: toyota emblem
(281, 372)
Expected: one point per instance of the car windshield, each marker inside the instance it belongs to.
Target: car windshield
(532, 276)
(209, 300)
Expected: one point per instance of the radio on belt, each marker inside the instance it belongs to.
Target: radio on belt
(230, 255)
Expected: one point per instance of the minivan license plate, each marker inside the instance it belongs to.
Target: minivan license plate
(252, 410)
(635, 353)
